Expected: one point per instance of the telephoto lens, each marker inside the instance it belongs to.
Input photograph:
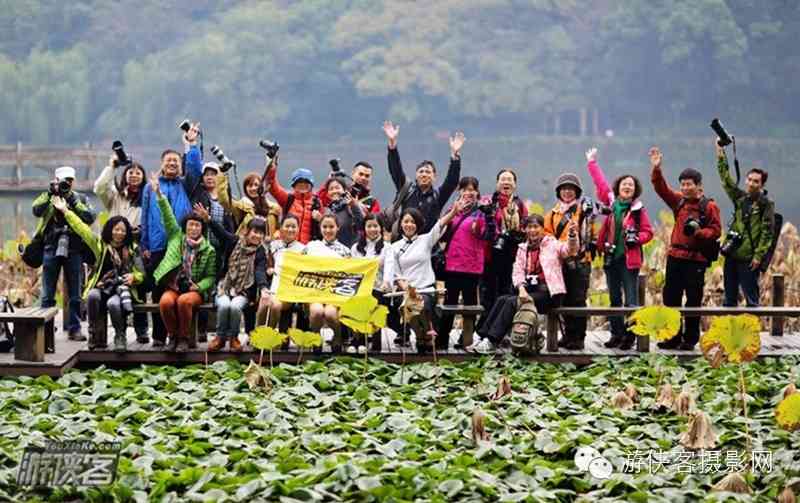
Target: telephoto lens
(271, 147)
(225, 162)
(122, 157)
(724, 138)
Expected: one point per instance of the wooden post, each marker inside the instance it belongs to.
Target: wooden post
(552, 333)
(643, 341)
(584, 121)
(18, 166)
(778, 299)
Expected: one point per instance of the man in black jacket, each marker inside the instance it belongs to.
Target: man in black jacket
(62, 247)
(421, 193)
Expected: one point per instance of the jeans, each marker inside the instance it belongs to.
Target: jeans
(229, 315)
(685, 276)
(621, 280)
(98, 303)
(576, 279)
(177, 310)
(738, 274)
(51, 267)
(456, 283)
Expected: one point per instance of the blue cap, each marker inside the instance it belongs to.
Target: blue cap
(302, 174)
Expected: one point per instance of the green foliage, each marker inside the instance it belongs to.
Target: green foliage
(324, 433)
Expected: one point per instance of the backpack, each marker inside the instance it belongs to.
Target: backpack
(525, 336)
(391, 215)
(776, 231)
(709, 249)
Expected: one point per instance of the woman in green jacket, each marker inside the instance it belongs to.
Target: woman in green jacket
(118, 267)
(187, 271)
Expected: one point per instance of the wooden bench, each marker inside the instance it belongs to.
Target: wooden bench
(34, 332)
(643, 344)
(101, 326)
(468, 315)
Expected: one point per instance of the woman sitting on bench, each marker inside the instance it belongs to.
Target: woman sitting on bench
(245, 279)
(188, 271)
(328, 246)
(270, 309)
(409, 265)
(537, 275)
(118, 269)
(372, 245)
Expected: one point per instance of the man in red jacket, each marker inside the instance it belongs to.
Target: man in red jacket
(697, 229)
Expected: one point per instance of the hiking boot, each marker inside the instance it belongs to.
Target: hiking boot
(575, 345)
(76, 335)
(171, 344)
(235, 345)
(216, 344)
(628, 341)
(484, 347)
(158, 343)
(142, 338)
(614, 341)
(687, 346)
(182, 346)
(673, 343)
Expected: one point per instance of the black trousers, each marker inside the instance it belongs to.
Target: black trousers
(501, 316)
(576, 279)
(456, 283)
(159, 331)
(496, 277)
(685, 277)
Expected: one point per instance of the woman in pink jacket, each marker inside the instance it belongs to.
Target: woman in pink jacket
(464, 256)
(624, 231)
(537, 276)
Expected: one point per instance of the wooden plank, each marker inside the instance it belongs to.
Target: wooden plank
(459, 309)
(30, 315)
(552, 332)
(686, 311)
(29, 341)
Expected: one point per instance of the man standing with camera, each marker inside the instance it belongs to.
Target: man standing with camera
(62, 247)
(360, 188)
(750, 233)
(693, 245)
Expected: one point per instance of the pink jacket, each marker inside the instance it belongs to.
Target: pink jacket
(551, 255)
(466, 251)
(634, 258)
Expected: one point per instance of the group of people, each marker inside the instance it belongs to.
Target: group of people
(181, 237)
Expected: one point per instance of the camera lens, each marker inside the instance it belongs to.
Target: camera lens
(185, 125)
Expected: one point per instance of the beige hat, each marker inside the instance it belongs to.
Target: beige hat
(65, 172)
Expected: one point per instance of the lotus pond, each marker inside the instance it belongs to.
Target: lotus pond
(340, 431)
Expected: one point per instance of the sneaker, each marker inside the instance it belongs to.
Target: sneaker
(76, 335)
(142, 338)
(362, 349)
(614, 341)
(235, 345)
(158, 343)
(351, 349)
(485, 346)
(216, 344)
(120, 343)
(182, 346)
(171, 344)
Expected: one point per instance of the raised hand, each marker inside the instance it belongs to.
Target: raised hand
(591, 154)
(155, 186)
(59, 203)
(391, 132)
(190, 138)
(655, 157)
(201, 212)
(720, 150)
(456, 142)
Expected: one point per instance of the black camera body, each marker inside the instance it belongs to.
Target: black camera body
(724, 137)
(732, 241)
(631, 237)
(184, 285)
(225, 162)
(60, 188)
(271, 147)
(185, 125)
(690, 226)
(335, 167)
(487, 209)
(122, 157)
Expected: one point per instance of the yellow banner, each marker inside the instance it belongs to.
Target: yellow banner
(327, 280)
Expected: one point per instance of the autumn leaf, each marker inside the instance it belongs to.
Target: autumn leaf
(660, 322)
(737, 336)
(787, 413)
(266, 338)
(256, 378)
(305, 339)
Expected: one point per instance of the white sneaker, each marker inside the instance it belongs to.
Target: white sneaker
(484, 346)
(351, 349)
(362, 350)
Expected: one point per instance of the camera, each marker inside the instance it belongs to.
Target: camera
(185, 125)
(732, 242)
(503, 240)
(122, 157)
(531, 280)
(631, 237)
(271, 147)
(183, 284)
(117, 286)
(225, 163)
(335, 168)
(486, 208)
(60, 188)
(724, 138)
(62, 246)
(610, 248)
(691, 226)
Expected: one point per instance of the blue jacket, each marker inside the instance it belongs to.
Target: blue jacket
(154, 237)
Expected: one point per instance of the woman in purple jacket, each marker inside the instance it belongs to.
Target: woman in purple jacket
(464, 256)
(624, 231)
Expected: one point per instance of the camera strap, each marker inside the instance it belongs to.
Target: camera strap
(736, 161)
(565, 218)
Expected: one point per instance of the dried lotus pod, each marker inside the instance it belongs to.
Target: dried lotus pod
(700, 434)
(787, 496)
(632, 392)
(733, 482)
(715, 356)
(479, 433)
(790, 389)
(503, 389)
(665, 397)
(621, 401)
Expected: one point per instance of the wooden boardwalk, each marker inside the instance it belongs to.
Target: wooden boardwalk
(70, 354)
